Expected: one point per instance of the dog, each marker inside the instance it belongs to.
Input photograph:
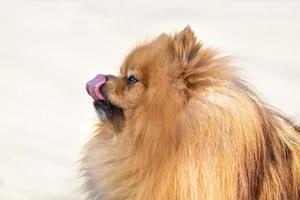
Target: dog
(179, 123)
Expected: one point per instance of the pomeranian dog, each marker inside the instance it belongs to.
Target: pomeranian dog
(178, 123)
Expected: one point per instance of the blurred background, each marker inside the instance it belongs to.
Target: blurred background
(50, 48)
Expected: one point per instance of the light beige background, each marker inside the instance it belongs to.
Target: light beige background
(50, 48)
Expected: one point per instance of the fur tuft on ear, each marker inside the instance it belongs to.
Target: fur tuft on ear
(186, 45)
(199, 65)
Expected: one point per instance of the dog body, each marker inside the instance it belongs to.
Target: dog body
(178, 123)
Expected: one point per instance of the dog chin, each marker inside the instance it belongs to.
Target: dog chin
(109, 113)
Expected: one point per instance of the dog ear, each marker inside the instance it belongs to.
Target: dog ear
(186, 45)
(196, 63)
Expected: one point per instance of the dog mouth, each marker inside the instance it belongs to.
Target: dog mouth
(111, 114)
(108, 111)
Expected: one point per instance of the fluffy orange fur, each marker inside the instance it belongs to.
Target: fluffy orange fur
(192, 131)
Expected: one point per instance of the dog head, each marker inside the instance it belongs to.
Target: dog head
(156, 76)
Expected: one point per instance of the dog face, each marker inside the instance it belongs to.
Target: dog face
(144, 69)
(156, 75)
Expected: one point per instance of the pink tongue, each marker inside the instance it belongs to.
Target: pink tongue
(93, 87)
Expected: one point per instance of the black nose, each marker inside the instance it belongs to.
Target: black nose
(103, 89)
(106, 77)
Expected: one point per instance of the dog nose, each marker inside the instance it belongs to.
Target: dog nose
(93, 87)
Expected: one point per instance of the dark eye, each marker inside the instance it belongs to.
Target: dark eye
(132, 80)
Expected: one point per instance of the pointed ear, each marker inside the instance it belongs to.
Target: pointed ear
(186, 45)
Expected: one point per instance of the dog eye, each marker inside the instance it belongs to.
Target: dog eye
(132, 80)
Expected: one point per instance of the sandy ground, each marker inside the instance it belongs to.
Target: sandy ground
(50, 48)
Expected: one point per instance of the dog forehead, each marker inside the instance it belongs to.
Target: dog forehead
(137, 61)
(147, 56)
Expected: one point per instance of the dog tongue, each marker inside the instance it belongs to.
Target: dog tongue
(93, 87)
